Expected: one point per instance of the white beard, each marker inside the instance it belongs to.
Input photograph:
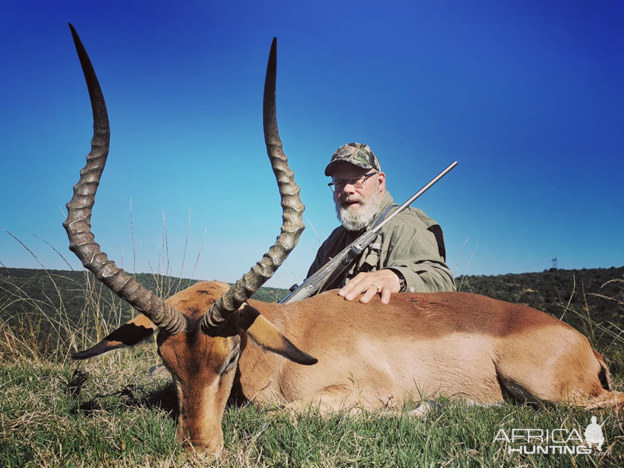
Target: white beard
(356, 218)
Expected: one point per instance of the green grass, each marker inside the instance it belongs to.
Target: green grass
(124, 417)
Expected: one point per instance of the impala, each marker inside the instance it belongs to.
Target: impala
(215, 340)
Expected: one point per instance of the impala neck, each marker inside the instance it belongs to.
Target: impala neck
(259, 369)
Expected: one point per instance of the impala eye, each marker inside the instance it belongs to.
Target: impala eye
(231, 364)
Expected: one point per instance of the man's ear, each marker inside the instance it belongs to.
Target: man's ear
(265, 335)
(129, 334)
(382, 182)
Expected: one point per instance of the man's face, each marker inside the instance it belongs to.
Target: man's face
(356, 207)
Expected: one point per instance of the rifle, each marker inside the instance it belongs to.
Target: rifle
(328, 272)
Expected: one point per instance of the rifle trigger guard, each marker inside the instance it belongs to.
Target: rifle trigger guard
(354, 253)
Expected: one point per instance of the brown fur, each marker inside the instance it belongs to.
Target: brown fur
(419, 346)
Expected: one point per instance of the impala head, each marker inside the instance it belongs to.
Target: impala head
(200, 328)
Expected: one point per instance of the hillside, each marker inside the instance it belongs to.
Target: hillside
(48, 305)
(566, 294)
(23, 291)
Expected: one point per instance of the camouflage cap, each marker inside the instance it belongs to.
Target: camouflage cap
(358, 154)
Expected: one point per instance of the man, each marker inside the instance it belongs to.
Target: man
(408, 253)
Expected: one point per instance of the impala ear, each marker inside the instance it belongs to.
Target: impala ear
(129, 334)
(264, 334)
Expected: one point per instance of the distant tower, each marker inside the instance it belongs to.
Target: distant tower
(554, 260)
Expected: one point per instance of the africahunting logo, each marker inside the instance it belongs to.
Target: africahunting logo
(555, 441)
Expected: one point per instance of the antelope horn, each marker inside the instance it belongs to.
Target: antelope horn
(78, 222)
(292, 208)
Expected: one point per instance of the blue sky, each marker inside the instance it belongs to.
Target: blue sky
(526, 96)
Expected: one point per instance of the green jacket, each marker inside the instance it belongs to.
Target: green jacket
(411, 243)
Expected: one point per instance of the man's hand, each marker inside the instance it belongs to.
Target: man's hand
(384, 282)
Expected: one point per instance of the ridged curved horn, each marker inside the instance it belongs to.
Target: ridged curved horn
(292, 208)
(78, 223)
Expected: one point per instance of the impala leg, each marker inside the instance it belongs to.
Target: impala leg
(426, 407)
(552, 365)
(342, 398)
(329, 400)
(608, 399)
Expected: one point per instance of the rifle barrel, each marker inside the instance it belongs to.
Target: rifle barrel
(417, 194)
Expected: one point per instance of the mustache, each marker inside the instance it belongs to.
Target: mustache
(351, 199)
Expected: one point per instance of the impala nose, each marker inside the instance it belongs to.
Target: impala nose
(212, 446)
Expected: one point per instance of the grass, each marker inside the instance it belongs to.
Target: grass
(123, 417)
(110, 412)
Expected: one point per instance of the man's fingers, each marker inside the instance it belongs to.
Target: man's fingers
(385, 296)
(353, 288)
(371, 292)
(368, 285)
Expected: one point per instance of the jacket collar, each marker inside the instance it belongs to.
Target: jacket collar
(386, 201)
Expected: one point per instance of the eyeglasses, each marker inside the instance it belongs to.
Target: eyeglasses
(358, 182)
